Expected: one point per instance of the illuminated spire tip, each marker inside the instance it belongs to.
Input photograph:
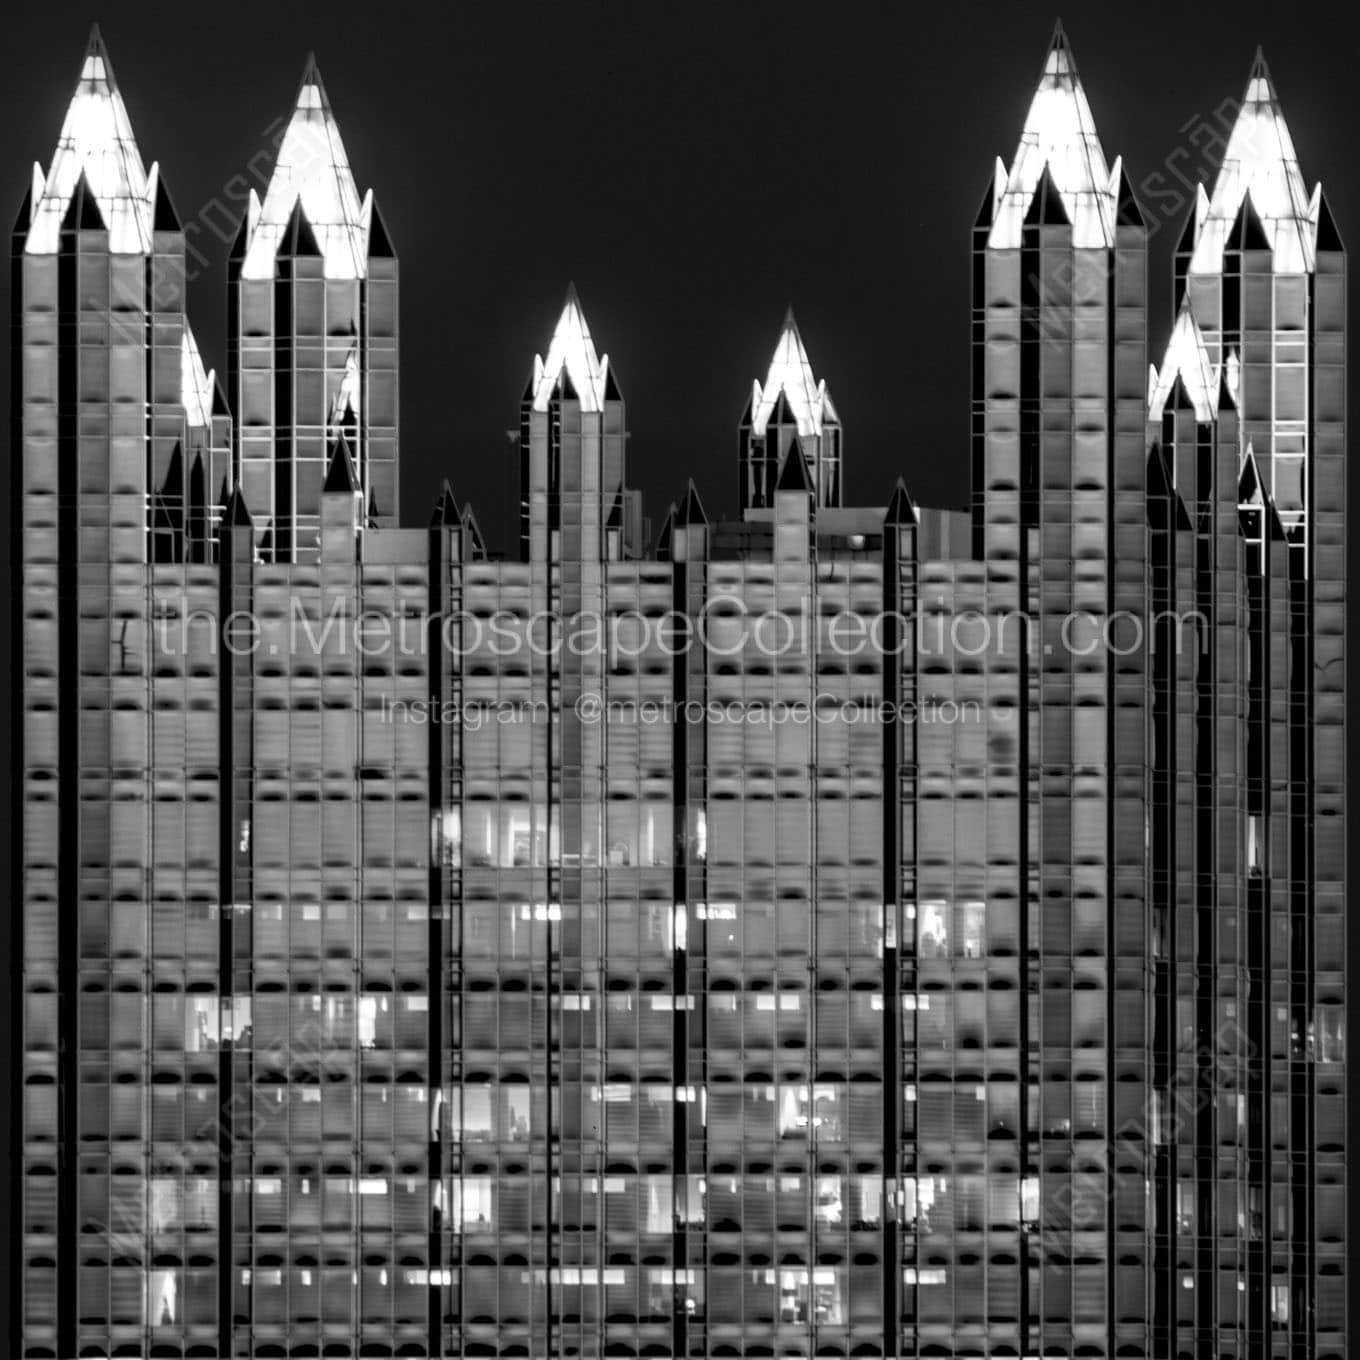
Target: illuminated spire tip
(571, 350)
(313, 170)
(1259, 162)
(791, 373)
(1187, 358)
(96, 140)
(1059, 134)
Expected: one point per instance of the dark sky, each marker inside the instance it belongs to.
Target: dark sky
(693, 169)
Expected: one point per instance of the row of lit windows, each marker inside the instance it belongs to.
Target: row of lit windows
(934, 1205)
(827, 1295)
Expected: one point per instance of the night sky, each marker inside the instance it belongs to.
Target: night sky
(694, 170)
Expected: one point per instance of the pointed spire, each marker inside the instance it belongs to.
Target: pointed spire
(901, 511)
(32, 198)
(1325, 234)
(1127, 213)
(1259, 161)
(247, 228)
(446, 511)
(794, 475)
(1186, 365)
(312, 170)
(476, 544)
(340, 478)
(991, 199)
(1046, 207)
(83, 213)
(692, 508)
(375, 230)
(572, 359)
(1247, 231)
(24, 218)
(1250, 487)
(663, 539)
(96, 143)
(1060, 135)
(298, 237)
(791, 394)
(163, 214)
(235, 513)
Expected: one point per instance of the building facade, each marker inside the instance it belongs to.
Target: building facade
(834, 931)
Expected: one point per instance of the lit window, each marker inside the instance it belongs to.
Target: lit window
(911, 1275)
(932, 930)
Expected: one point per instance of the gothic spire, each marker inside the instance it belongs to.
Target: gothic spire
(1187, 359)
(791, 377)
(96, 141)
(1259, 165)
(1059, 134)
(312, 171)
(572, 352)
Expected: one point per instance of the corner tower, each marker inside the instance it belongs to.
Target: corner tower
(313, 333)
(574, 503)
(1262, 268)
(791, 408)
(1059, 515)
(114, 781)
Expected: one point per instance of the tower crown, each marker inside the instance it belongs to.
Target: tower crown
(312, 173)
(96, 141)
(571, 351)
(1059, 134)
(1186, 359)
(1259, 162)
(791, 376)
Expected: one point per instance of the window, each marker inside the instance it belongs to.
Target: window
(690, 1193)
(472, 1204)
(1256, 846)
(1279, 1307)
(162, 1297)
(816, 1295)
(932, 930)
(972, 921)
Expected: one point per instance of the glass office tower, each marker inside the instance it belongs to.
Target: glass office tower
(833, 931)
(312, 301)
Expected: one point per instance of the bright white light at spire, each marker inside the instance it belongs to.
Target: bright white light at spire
(196, 386)
(311, 166)
(96, 139)
(571, 349)
(791, 373)
(1059, 133)
(1259, 160)
(1187, 358)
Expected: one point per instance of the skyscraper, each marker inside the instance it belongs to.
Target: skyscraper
(831, 931)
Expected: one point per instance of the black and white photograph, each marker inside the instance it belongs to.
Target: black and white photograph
(676, 681)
